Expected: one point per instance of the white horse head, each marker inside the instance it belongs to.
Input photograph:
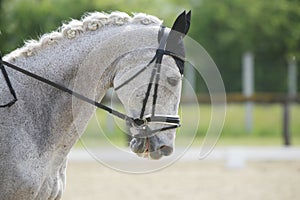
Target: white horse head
(89, 56)
(151, 87)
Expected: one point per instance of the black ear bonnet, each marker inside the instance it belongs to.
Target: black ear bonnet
(174, 43)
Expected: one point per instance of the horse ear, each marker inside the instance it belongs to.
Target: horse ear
(178, 31)
(182, 23)
(188, 22)
(181, 26)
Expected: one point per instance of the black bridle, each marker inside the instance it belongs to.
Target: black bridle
(142, 121)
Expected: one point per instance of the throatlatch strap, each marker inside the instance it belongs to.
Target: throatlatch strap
(158, 66)
(155, 72)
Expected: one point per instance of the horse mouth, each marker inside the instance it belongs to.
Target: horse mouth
(142, 151)
(151, 148)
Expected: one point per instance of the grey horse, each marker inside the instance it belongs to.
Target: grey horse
(90, 56)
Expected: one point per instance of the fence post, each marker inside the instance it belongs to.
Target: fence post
(292, 93)
(248, 87)
(286, 123)
(292, 78)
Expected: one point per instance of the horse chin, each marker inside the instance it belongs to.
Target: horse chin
(150, 148)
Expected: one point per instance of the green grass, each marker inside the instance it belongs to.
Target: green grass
(267, 127)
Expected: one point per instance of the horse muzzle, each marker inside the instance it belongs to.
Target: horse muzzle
(154, 147)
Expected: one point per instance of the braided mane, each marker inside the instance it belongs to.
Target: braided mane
(89, 22)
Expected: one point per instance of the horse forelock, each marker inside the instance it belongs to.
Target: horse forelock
(89, 22)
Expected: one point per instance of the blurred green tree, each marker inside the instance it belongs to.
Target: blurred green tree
(28, 19)
(270, 29)
(1, 43)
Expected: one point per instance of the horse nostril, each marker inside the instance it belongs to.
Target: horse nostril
(155, 155)
(137, 145)
(166, 150)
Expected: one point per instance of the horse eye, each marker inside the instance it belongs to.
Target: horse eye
(173, 81)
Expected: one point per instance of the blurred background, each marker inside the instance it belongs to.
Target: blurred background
(256, 47)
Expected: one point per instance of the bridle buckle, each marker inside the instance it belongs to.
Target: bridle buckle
(140, 123)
